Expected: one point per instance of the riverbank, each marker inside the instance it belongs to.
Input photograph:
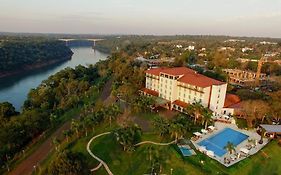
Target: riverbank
(5, 74)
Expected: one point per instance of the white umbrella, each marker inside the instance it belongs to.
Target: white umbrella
(210, 153)
(197, 133)
(244, 150)
(204, 131)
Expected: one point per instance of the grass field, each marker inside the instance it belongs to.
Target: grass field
(137, 162)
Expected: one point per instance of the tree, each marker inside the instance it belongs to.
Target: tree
(128, 137)
(254, 110)
(230, 147)
(161, 125)
(7, 110)
(75, 125)
(112, 112)
(68, 163)
(207, 117)
(67, 133)
(56, 143)
(275, 106)
(177, 130)
(195, 110)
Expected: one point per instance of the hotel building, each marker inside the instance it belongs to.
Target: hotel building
(181, 86)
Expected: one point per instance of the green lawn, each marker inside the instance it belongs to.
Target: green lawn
(137, 162)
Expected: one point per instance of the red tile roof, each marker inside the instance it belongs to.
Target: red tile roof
(232, 101)
(180, 103)
(189, 76)
(149, 91)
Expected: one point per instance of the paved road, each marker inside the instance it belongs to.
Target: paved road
(27, 166)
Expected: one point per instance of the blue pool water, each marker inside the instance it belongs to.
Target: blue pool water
(217, 142)
(185, 151)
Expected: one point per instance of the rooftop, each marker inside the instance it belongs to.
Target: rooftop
(272, 128)
(188, 76)
(232, 101)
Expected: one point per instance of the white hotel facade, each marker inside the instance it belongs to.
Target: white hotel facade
(181, 86)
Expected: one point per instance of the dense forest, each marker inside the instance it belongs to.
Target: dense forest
(44, 107)
(26, 53)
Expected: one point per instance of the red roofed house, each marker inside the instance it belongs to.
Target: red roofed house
(232, 105)
(182, 86)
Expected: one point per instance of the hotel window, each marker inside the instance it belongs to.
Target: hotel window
(189, 97)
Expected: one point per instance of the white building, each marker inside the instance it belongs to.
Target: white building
(181, 86)
(190, 48)
(245, 49)
(179, 46)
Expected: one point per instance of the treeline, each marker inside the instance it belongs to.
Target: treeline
(44, 106)
(18, 53)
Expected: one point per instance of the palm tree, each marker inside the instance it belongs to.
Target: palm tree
(230, 147)
(161, 125)
(195, 110)
(177, 130)
(56, 143)
(128, 137)
(112, 112)
(207, 117)
(75, 126)
(67, 134)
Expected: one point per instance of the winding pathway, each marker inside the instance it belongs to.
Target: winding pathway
(102, 163)
(95, 157)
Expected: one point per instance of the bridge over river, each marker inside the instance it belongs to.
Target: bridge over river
(94, 40)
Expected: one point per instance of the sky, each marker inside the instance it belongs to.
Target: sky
(159, 17)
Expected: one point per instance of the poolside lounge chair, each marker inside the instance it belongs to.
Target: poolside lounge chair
(204, 131)
(197, 134)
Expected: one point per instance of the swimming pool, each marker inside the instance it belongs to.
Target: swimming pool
(185, 151)
(217, 142)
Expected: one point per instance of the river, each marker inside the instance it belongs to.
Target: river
(14, 89)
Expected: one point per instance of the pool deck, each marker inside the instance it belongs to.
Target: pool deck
(234, 157)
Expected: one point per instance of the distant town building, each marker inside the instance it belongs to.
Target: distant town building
(243, 78)
(202, 55)
(203, 49)
(178, 87)
(246, 49)
(244, 60)
(179, 46)
(234, 40)
(190, 48)
(266, 42)
(226, 49)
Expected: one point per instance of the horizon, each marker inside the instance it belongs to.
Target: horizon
(251, 18)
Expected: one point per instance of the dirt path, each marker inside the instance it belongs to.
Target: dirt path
(26, 167)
